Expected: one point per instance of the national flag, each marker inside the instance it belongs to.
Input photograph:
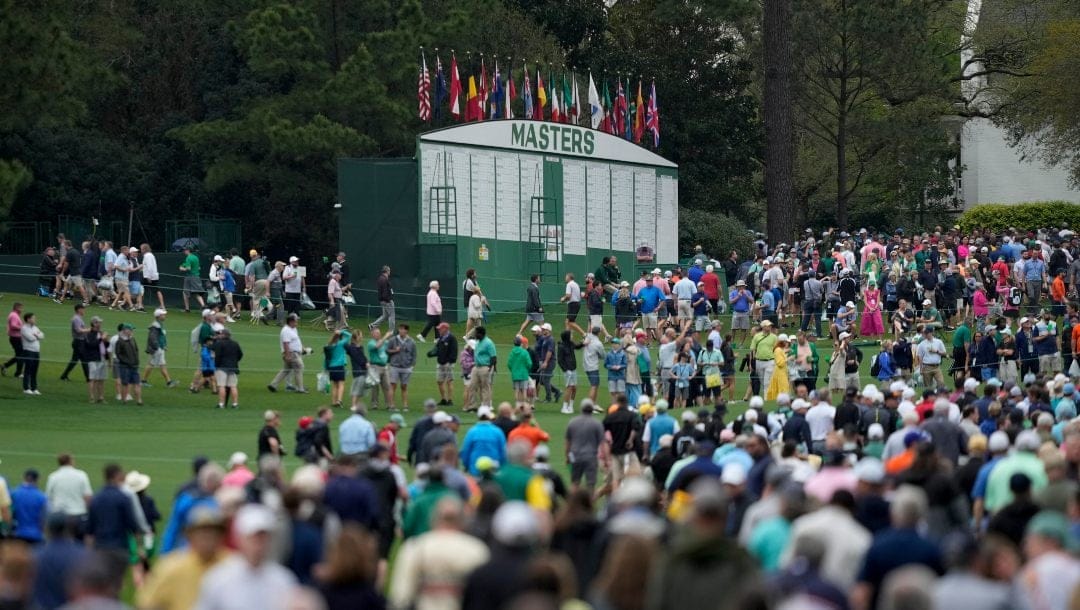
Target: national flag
(472, 101)
(455, 88)
(605, 123)
(567, 100)
(527, 95)
(496, 94)
(483, 91)
(652, 119)
(440, 88)
(541, 97)
(620, 108)
(423, 90)
(628, 120)
(639, 116)
(556, 110)
(595, 112)
(511, 94)
(576, 103)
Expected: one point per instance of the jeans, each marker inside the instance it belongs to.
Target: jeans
(31, 360)
(387, 315)
(811, 312)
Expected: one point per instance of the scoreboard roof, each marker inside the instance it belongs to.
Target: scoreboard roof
(547, 138)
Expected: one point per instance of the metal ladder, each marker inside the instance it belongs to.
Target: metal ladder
(545, 233)
(442, 201)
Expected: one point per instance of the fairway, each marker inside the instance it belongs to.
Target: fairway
(160, 437)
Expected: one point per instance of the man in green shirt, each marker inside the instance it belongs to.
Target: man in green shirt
(418, 517)
(931, 317)
(827, 264)
(485, 360)
(377, 360)
(520, 364)
(1024, 461)
(761, 346)
(192, 283)
(960, 339)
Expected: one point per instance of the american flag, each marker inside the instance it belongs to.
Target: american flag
(423, 90)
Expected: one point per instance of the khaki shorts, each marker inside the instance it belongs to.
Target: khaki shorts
(223, 379)
(400, 375)
(444, 372)
(570, 379)
(649, 320)
(595, 322)
(740, 321)
(120, 285)
(157, 358)
(686, 310)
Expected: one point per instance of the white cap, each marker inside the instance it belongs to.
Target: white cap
(733, 474)
(783, 398)
(870, 470)
(850, 304)
(926, 302)
(844, 335)
(1028, 440)
(237, 458)
(783, 337)
(133, 250)
(643, 399)
(217, 258)
(1024, 320)
(999, 442)
(535, 328)
(484, 412)
(656, 271)
(159, 312)
(293, 259)
(545, 326)
(207, 312)
(750, 415)
(689, 416)
(970, 384)
(875, 431)
(908, 393)
(799, 404)
(897, 387)
(441, 417)
(252, 519)
(471, 343)
(756, 402)
(870, 391)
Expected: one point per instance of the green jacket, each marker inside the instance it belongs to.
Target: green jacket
(519, 363)
(418, 517)
(514, 481)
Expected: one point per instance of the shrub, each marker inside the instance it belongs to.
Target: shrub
(717, 233)
(1033, 215)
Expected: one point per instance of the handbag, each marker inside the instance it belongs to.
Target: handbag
(372, 378)
(305, 301)
(105, 283)
(348, 299)
(322, 382)
(712, 380)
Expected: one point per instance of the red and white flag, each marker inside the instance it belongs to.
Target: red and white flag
(423, 90)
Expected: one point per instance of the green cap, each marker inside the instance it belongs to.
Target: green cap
(398, 419)
(127, 327)
(1053, 525)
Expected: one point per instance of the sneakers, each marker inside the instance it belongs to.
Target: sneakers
(172, 384)
(420, 338)
(221, 406)
(567, 409)
(146, 384)
(119, 397)
(29, 392)
(443, 402)
(235, 406)
(271, 388)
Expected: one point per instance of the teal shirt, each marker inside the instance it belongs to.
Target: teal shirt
(484, 352)
(192, 265)
(961, 336)
(376, 355)
(337, 352)
(768, 542)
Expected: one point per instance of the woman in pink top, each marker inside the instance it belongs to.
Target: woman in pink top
(434, 310)
(14, 331)
(980, 305)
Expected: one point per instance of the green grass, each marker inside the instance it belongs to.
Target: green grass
(160, 437)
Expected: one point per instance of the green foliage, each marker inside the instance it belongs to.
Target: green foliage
(717, 234)
(998, 216)
(14, 177)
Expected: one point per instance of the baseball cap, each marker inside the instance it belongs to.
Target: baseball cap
(485, 412)
(398, 419)
(252, 519)
(1051, 524)
(1068, 389)
(207, 312)
(205, 516)
(999, 441)
(515, 525)
(766, 323)
(970, 384)
(535, 328)
(844, 335)
(305, 422)
(756, 402)
(656, 271)
(926, 302)
(293, 259)
(441, 417)
(875, 431)
(237, 458)
(849, 304)
(133, 250)
(159, 312)
(733, 474)
(870, 470)
(127, 327)
(545, 326)
(217, 258)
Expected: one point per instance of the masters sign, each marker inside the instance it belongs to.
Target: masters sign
(546, 138)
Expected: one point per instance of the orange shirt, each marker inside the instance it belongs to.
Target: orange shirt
(900, 463)
(1057, 290)
(529, 432)
(1076, 339)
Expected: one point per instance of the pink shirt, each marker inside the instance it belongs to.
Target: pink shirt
(434, 303)
(14, 325)
(238, 477)
(828, 481)
(978, 303)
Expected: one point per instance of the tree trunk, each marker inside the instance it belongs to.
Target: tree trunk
(780, 215)
(841, 162)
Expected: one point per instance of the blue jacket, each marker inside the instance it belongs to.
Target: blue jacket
(885, 364)
(485, 439)
(28, 508)
(659, 426)
(615, 358)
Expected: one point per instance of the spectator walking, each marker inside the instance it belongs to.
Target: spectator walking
(227, 357)
(14, 328)
(485, 358)
(534, 309)
(156, 345)
(356, 434)
(111, 515)
(384, 292)
(192, 270)
(433, 309)
(126, 352)
(78, 333)
(292, 361)
(29, 508)
(584, 437)
(293, 278)
(269, 442)
(378, 376)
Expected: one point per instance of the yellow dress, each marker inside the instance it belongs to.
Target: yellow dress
(780, 383)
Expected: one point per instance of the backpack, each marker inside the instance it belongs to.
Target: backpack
(1015, 296)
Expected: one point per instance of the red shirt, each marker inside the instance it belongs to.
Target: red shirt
(711, 286)
(389, 438)
(924, 409)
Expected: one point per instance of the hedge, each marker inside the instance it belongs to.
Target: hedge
(1025, 216)
(716, 233)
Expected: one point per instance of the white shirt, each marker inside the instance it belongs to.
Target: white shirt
(291, 336)
(234, 585)
(573, 291)
(31, 337)
(293, 281)
(67, 489)
(476, 307)
(150, 270)
(716, 339)
(845, 540)
(431, 569)
(820, 418)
